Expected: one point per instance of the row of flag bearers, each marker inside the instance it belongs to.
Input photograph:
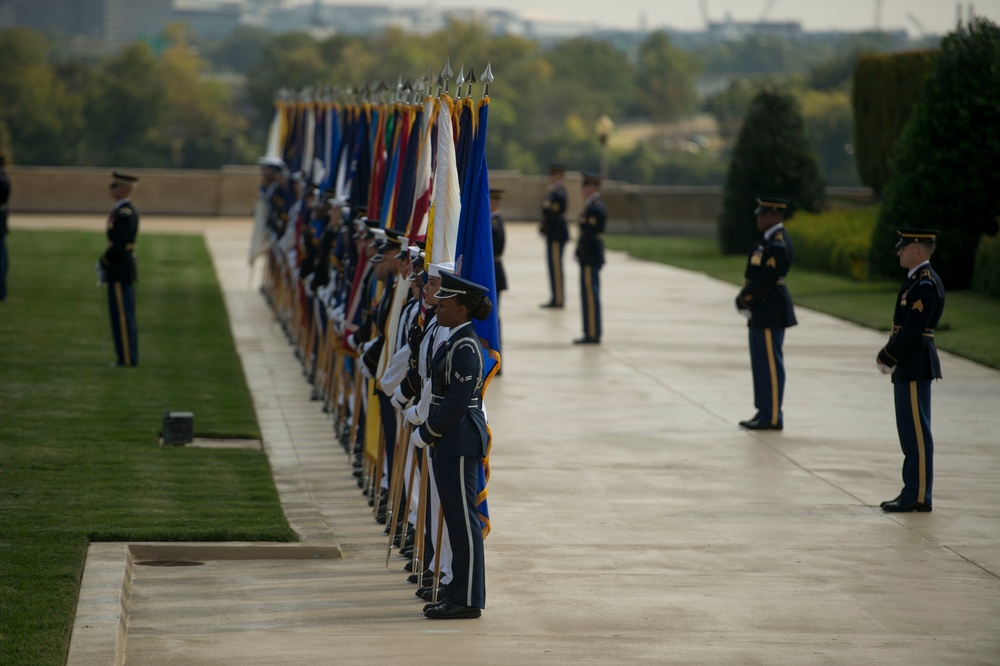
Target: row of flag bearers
(375, 219)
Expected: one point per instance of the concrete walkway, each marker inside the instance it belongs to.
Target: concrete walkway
(633, 521)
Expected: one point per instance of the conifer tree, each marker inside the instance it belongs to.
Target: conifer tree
(772, 157)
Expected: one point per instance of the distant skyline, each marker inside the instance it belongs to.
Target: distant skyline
(935, 16)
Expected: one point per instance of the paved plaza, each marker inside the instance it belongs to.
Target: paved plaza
(633, 520)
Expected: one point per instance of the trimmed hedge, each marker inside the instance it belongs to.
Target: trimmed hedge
(886, 86)
(946, 163)
(986, 274)
(836, 241)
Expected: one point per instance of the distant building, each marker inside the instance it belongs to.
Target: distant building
(215, 22)
(105, 25)
(730, 30)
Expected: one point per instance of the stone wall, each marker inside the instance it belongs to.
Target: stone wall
(232, 190)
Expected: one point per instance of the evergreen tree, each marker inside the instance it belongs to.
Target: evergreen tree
(947, 161)
(772, 157)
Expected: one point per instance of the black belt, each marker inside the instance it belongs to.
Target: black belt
(928, 332)
(475, 403)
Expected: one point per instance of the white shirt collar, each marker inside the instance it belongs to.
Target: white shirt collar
(913, 271)
(773, 230)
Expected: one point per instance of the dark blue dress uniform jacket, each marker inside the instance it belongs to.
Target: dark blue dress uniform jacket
(499, 241)
(554, 226)
(119, 259)
(764, 292)
(911, 346)
(593, 219)
(456, 424)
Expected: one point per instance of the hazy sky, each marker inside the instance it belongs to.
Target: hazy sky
(937, 16)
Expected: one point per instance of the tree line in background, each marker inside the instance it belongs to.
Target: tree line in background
(201, 105)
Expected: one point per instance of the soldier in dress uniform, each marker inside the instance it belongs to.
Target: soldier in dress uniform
(590, 255)
(499, 240)
(456, 429)
(766, 303)
(117, 268)
(912, 359)
(4, 197)
(556, 233)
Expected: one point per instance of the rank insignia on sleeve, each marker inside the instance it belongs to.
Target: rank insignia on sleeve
(918, 306)
(591, 220)
(771, 263)
(755, 259)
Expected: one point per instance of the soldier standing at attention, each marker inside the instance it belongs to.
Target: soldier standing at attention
(499, 240)
(912, 359)
(766, 303)
(590, 255)
(117, 268)
(556, 232)
(4, 196)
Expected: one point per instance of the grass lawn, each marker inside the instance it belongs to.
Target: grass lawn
(969, 327)
(79, 459)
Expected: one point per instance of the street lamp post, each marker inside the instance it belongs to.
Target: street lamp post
(604, 127)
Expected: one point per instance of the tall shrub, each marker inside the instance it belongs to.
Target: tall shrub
(886, 86)
(946, 167)
(772, 157)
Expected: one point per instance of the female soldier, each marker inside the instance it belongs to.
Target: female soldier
(456, 427)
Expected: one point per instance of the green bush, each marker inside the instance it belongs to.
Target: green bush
(946, 164)
(772, 157)
(886, 86)
(835, 241)
(986, 274)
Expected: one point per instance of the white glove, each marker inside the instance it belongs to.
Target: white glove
(365, 371)
(398, 399)
(102, 275)
(745, 313)
(884, 369)
(411, 416)
(416, 439)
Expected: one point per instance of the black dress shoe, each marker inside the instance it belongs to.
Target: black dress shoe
(760, 424)
(428, 592)
(900, 506)
(427, 607)
(549, 305)
(450, 611)
(894, 499)
(587, 341)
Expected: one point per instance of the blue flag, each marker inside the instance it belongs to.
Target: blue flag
(474, 261)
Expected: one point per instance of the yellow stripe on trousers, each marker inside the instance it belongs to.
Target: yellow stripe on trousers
(773, 368)
(122, 323)
(557, 278)
(588, 279)
(921, 456)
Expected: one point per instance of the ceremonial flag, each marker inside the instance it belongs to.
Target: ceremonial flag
(331, 148)
(308, 140)
(424, 182)
(275, 134)
(362, 163)
(407, 179)
(475, 262)
(379, 160)
(442, 231)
